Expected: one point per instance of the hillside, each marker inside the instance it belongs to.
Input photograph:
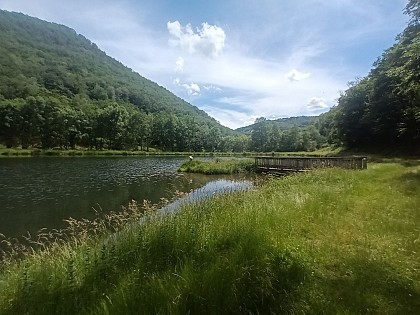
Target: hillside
(51, 56)
(49, 65)
(284, 123)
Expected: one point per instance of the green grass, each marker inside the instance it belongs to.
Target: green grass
(323, 242)
(218, 166)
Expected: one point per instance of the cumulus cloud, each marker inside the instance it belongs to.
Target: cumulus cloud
(192, 88)
(295, 75)
(179, 64)
(317, 104)
(229, 117)
(208, 40)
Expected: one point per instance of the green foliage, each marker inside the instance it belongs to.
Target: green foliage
(286, 135)
(413, 10)
(284, 123)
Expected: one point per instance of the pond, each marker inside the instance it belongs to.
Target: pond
(42, 192)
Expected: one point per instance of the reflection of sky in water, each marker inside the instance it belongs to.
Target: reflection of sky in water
(208, 190)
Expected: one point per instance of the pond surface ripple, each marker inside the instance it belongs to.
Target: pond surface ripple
(42, 192)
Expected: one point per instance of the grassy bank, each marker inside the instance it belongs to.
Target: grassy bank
(218, 166)
(324, 242)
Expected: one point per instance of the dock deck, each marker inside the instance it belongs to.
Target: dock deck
(299, 164)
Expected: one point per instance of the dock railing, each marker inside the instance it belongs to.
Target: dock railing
(267, 163)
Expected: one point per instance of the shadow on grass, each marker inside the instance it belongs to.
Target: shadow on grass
(409, 183)
(403, 161)
(373, 287)
(410, 162)
(239, 277)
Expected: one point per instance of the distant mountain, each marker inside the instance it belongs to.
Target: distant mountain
(284, 123)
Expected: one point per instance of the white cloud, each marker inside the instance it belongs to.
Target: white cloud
(179, 64)
(317, 104)
(209, 39)
(212, 88)
(233, 100)
(296, 75)
(230, 117)
(192, 88)
(260, 88)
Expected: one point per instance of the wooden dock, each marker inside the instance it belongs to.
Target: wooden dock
(300, 164)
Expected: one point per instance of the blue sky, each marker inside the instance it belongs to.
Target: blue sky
(237, 60)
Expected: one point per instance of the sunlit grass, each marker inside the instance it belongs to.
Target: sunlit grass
(219, 166)
(329, 241)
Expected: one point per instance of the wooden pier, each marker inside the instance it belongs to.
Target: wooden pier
(300, 164)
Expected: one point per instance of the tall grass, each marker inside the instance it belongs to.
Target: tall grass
(219, 166)
(324, 242)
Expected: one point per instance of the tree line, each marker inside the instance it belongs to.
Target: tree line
(45, 122)
(268, 136)
(48, 122)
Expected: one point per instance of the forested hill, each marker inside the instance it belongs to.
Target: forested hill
(54, 72)
(284, 123)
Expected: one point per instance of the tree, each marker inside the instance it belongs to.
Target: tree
(112, 126)
(413, 10)
(274, 138)
(9, 122)
(292, 139)
(259, 135)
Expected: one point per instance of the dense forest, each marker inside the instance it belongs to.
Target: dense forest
(285, 134)
(58, 89)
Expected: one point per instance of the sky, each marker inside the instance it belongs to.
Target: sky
(237, 59)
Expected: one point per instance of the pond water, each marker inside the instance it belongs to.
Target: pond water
(42, 192)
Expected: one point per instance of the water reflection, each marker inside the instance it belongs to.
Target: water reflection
(213, 188)
(42, 192)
